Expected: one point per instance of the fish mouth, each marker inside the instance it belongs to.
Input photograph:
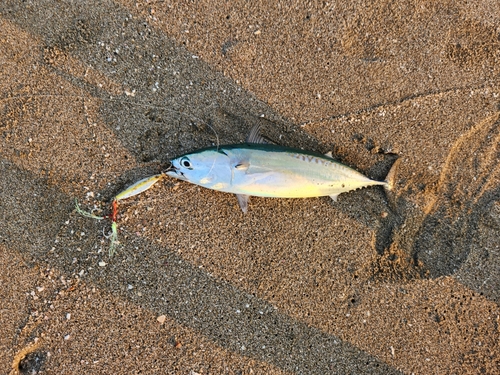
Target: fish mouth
(170, 167)
(173, 171)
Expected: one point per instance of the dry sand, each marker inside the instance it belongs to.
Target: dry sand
(98, 95)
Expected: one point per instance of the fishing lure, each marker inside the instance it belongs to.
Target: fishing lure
(131, 191)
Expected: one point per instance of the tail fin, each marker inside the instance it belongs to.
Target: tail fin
(390, 179)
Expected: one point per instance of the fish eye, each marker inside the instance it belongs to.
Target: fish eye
(186, 163)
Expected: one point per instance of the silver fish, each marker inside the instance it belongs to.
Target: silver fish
(257, 168)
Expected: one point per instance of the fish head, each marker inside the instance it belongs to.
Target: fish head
(200, 167)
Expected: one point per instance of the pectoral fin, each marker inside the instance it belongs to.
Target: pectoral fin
(242, 166)
(243, 201)
(257, 169)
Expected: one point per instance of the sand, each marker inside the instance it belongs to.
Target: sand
(97, 95)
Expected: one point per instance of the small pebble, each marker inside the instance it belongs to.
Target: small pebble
(161, 319)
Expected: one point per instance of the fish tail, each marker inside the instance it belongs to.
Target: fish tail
(390, 179)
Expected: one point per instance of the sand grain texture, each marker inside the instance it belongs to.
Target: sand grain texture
(96, 95)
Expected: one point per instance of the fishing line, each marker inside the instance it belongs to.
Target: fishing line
(113, 235)
(121, 101)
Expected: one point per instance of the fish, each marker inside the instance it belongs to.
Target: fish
(263, 169)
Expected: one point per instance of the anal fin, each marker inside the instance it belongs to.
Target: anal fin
(334, 197)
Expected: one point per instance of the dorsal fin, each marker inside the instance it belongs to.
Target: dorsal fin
(255, 137)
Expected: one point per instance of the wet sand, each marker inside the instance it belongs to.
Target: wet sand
(96, 96)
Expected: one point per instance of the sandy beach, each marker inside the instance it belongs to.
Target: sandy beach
(97, 95)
